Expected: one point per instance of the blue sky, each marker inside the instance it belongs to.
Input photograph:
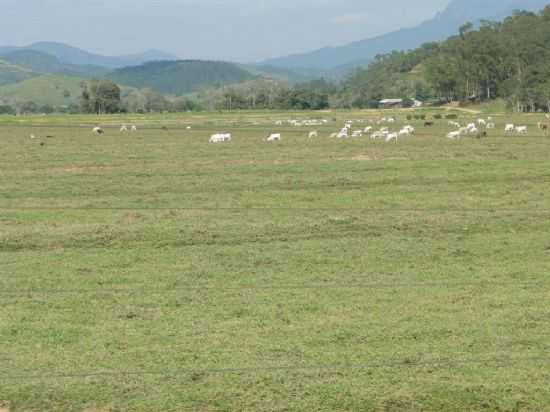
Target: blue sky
(237, 30)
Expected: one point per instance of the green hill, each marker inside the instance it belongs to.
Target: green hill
(44, 89)
(46, 63)
(180, 77)
(10, 73)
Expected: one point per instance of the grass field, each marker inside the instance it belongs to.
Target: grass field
(156, 272)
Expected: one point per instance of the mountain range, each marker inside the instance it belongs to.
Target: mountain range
(443, 25)
(74, 56)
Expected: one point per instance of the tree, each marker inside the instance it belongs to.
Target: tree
(29, 107)
(101, 96)
(6, 109)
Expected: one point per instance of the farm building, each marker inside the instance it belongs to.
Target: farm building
(399, 103)
(390, 103)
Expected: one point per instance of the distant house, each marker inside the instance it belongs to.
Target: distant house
(390, 103)
(399, 103)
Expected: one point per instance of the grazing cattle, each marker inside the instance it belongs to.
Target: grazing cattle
(368, 129)
(313, 134)
(405, 132)
(542, 126)
(98, 130)
(521, 129)
(123, 129)
(343, 133)
(509, 128)
(490, 125)
(410, 129)
(453, 123)
(454, 135)
(357, 133)
(481, 122)
(333, 135)
(216, 138)
(428, 124)
(392, 136)
(220, 138)
(274, 137)
(134, 128)
(32, 136)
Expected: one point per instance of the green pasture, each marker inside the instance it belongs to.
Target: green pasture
(152, 271)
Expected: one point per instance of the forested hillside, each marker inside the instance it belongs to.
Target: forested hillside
(180, 77)
(509, 60)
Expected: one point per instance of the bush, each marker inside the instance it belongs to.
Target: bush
(409, 117)
(29, 107)
(438, 116)
(451, 117)
(46, 109)
(6, 109)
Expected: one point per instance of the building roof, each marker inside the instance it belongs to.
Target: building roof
(390, 101)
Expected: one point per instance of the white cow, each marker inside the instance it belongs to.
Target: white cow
(123, 128)
(473, 130)
(521, 129)
(216, 138)
(392, 136)
(274, 137)
(98, 130)
(368, 129)
(490, 125)
(454, 135)
(410, 129)
(313, 134)
(134, 128)
(481, 122)
(509, 128)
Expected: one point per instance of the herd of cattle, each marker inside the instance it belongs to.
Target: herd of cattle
(376, 129)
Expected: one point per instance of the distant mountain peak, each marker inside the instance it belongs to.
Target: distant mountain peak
(443, 25)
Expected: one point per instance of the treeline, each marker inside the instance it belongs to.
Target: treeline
(508, 60)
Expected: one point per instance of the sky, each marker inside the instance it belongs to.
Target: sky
(234, 30)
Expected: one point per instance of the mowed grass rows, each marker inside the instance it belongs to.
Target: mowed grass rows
(156, 272)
